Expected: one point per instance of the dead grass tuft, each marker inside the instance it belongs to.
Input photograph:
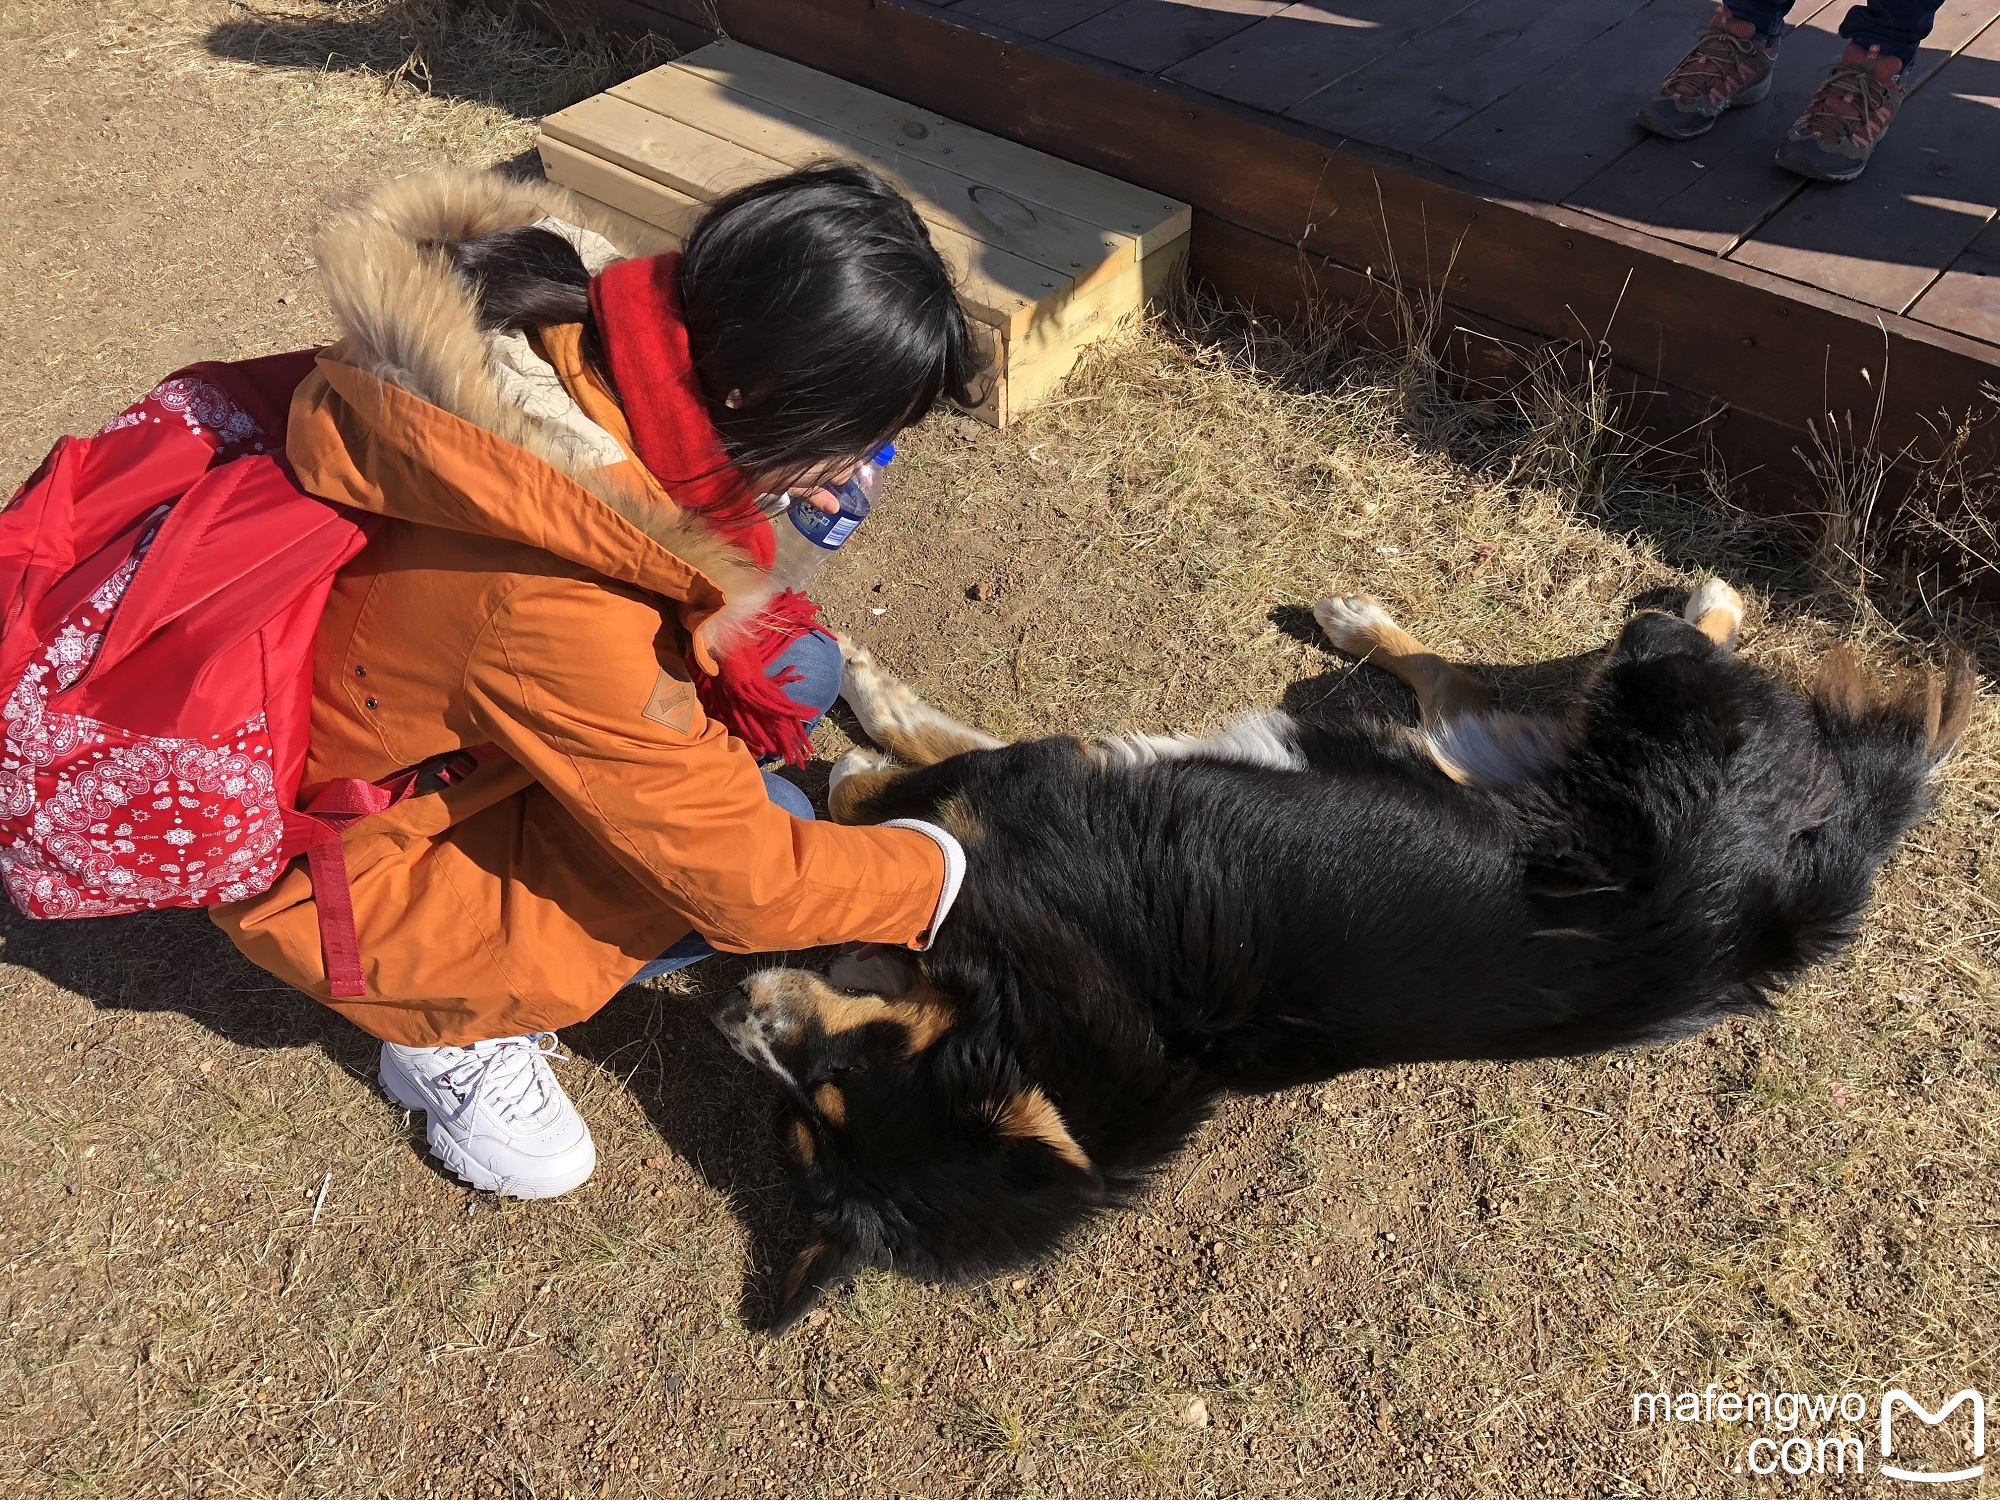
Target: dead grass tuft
(528, 57)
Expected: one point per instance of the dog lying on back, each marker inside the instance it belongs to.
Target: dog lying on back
(1148, 923)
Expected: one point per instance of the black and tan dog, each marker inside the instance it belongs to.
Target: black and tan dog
(1148, 922)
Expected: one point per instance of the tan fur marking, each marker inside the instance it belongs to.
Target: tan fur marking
(1029, 1116)
(1443, 690)
(831, 1104)
(1719, 625)
(803, 1267)
(1938, 704)
(1961, 690)
(802, 1141)
(956, 817)
(845, 801)
(924, 1015)
(897, 718)
(1843, 684)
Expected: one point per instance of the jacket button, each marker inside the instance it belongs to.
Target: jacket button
(373, 704)
(360, 671)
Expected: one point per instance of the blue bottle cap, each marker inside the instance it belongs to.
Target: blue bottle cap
(887, 455)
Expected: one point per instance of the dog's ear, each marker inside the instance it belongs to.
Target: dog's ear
(831, 1259)
(1040, 1150)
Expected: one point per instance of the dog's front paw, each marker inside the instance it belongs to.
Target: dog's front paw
(1351, 621)
(857, 762)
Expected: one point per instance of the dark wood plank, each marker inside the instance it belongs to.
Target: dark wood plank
(1774, 348)
(1710, 192)
(1307, 46)
(1433, 82)
(1933, 185)
(1563, 125)
(1037, 18)
(1151, 35)
(679, 24)
(1966, 299)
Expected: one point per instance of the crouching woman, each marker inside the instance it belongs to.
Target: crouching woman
(567, 598)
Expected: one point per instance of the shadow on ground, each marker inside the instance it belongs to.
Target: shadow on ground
(462, 52)
(711, 1109)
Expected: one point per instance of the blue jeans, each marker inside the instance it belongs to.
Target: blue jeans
(1896, 26)
(816, 658)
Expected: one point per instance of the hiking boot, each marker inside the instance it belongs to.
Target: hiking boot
(1729, 67)
(497, 1117)
(1845, 122)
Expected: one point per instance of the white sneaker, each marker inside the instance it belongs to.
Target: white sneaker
(498, 1118)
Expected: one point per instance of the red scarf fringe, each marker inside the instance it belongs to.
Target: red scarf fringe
(637, 306)
(752, 703)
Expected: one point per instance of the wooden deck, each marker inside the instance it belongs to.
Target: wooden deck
(1488, 148)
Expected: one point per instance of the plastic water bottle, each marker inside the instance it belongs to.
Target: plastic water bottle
(808, 536)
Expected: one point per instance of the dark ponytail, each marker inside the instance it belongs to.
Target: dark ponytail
(528, 278)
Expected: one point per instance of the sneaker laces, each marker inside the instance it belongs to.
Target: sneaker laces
(1719, 58)
(1848, 99)
(511, 1078)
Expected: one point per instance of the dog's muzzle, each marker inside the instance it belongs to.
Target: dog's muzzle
(751, 1033)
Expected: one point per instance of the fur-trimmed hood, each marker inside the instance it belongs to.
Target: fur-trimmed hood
(409, 325)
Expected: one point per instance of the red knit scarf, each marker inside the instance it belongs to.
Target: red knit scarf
(637, 306)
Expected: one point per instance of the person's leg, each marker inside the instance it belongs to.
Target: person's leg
(1729, 67)
(1898, 27)
(1845, 121)
(815, 657)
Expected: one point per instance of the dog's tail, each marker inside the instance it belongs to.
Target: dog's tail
(1887, 744)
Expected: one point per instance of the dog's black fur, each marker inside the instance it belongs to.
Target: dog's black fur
(1131, 943)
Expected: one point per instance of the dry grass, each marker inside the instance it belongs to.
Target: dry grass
(1437, 1280)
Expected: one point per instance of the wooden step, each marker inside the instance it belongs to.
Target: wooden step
(1049, 256)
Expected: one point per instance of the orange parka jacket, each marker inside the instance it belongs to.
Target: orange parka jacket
(530, 589)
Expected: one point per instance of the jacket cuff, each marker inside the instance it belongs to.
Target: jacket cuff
(954, 871)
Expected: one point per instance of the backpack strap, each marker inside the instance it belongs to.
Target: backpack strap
(315, 831)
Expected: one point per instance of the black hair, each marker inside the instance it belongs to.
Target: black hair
(821, 319)
(818, 301)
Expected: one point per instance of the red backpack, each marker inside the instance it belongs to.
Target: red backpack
(160, 585)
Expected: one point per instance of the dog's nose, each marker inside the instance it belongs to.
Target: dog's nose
(731, 1013)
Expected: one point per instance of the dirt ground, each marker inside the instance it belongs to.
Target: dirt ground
(225, 1269)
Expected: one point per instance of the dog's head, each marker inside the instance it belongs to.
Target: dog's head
(915, 1137)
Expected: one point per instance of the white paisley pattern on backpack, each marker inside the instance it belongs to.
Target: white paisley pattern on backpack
(203, 406)
(99, 821)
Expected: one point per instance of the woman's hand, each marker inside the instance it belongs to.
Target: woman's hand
(824, 500)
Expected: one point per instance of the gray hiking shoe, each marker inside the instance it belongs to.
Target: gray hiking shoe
(1728, 68)
(1846, 119)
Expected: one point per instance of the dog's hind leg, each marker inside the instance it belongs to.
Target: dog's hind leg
(1470, 740)
(1359, 626)
(894, 717)
(1716, 610)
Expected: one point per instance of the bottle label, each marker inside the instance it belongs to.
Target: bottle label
(821, 529)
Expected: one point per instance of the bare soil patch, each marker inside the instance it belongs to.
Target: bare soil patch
(225, 1269)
